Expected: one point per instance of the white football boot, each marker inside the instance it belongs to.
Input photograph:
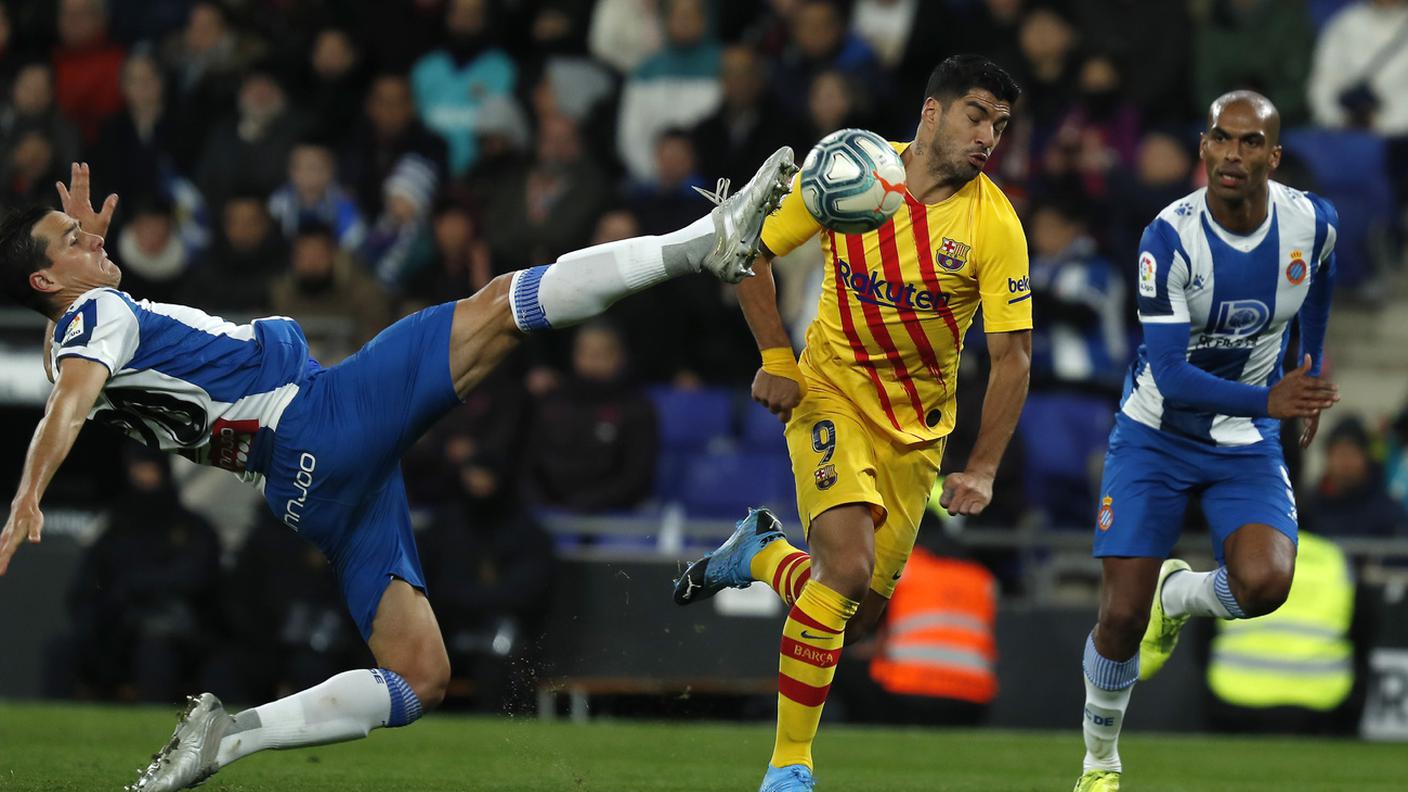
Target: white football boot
(738, 218)
(189, 757)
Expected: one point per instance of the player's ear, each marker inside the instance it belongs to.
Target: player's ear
(931, 111)
(1274, 161)
(42, 281)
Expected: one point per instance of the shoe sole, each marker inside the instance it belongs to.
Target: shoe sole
(749, 236)
(210, 744)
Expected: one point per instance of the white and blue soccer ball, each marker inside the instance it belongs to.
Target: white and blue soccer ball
(852, 181)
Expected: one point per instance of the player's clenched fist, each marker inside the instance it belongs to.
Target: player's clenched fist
(25, 522)
(966, 493)
(1300, 395)
(777, 393)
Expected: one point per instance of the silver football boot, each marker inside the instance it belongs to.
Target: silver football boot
(189, 757)
(738, 218)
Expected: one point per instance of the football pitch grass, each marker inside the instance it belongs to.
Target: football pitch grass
(54, 748)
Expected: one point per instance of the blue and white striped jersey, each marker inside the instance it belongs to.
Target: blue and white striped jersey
(1224, 301)
(183, 380)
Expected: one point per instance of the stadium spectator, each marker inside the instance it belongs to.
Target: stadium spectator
(820, 42)
(396, 35)
(452, 82)
(491, 566)
(155, 258)
(132, 154)
(668, 199)
(505, 145)
(334, 82)
(247, 254)
(462, 261)
(286, 637)
(592, 445)
(625, 33)
(205, 59)
(313, 194)
(145, 592)
(28, 169)
(1352, 499)
(1255, 44)
(395, 239)
(1162, 174)
(831, 105)
(389, 132)
(325, 282)
(1080, 342)
(1047, 72)
(31, 109)
(748, 126)
(677, 87)
(548, 207)
(10, 57)
(1360, 68)
(1155, 36)
(86, 66)
(249, 151)
(1098, 136)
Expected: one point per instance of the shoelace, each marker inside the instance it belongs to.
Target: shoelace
(719, 194)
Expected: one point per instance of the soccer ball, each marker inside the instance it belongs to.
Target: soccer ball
(852, 181)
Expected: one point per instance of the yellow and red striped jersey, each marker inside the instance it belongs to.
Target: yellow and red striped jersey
(896, 302)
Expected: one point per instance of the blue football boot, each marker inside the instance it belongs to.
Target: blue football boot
(792, 778)
(728, 565)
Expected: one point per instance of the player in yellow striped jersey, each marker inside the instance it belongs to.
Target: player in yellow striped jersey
(870, 402)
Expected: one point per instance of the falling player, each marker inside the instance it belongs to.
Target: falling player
(322, 444)
(1221, 274)
(870, 402)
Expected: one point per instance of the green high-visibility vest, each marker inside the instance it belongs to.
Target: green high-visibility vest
(1299, 656)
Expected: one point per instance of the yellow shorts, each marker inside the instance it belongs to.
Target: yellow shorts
(839, 458)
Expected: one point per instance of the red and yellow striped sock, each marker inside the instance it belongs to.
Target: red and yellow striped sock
(783, 567)
(811, 647)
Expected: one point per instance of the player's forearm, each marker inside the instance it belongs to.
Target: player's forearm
(53, 439)
(1002, 405)
(757, 296)
(1183, 383)
(1315, 315)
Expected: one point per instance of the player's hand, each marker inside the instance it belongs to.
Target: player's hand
(1299, 395)
(966, 493)
(1307, 435)
(79, 205)
(25, 522)
(779, 394)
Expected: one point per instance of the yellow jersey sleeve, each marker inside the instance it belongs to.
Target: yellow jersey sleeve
(1004, 282)
(786, 229)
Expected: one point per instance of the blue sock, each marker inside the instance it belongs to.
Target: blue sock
(405, 707)
(528, 312)
(1108, 674)
(1223, 591)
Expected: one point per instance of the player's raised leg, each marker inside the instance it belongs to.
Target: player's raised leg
(413, 671)
(1111, 666)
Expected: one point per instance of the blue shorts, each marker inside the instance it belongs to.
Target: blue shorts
(1150, 474)
(333, 467)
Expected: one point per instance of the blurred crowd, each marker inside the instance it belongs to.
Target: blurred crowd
(347, 163)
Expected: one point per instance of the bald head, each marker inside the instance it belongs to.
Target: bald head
(1252, 104)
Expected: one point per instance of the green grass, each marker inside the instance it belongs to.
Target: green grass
(60, 747)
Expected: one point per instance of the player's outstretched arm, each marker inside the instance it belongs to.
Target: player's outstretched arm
(778, 385)
(970, 492)
(77, 388)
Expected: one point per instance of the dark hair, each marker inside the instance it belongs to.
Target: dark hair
(959, 74)
(317, 229)
(22, 254)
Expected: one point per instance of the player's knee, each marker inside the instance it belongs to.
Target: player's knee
(428, 677)
(1124, 622)
(1260, 591)
(849, 576)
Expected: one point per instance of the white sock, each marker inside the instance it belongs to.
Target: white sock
(1190, 593)
(584, 283)
(346, 707)
(1108, 685)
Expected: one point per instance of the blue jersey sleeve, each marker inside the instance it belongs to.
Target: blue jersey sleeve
(1315, 311)
(100, 326)
(1162, 276)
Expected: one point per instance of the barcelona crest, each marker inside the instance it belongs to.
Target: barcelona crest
(825, 477)
(952, 255)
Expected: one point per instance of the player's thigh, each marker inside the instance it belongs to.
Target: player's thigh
(1252, 490)
(1143, 495)
(483, 333)
(833, 459)
(906, 476)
